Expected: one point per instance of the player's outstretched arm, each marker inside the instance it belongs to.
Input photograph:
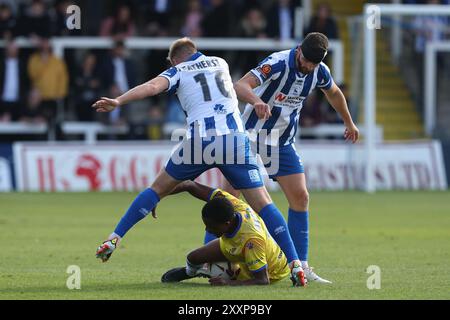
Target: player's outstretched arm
(337, 100)
(147, 89)
(198, 190)
(244, 90)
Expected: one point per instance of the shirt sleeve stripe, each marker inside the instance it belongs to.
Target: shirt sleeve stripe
(168, 79)
(212, 193)
(258, 75)
(260, 269)
(327, 85)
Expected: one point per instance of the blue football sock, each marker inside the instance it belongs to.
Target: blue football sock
(209, 237)
(139, 209)
(278, 229)
(299, 230)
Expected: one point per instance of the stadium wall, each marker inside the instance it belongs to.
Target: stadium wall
(42, 167)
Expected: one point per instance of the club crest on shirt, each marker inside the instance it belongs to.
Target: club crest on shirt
(265, 70)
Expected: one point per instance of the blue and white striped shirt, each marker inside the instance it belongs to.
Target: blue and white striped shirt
(283, 88)
(205, 89)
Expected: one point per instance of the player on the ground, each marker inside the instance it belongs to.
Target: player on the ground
(203, 85)
(243, 239)
(274, 92)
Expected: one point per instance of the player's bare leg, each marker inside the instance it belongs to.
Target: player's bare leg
(257, 198)
(208, 253)
(294, 187)
(229, 188)
(161, 187)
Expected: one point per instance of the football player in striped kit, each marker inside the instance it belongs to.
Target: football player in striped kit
(274, 92)
(203, 85)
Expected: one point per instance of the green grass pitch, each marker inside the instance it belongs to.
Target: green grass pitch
(406, 234)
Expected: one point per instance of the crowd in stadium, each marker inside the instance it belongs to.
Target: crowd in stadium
(35, 84)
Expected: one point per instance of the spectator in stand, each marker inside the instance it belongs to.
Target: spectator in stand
(60, 20)
(87, 87)
(155, 123)
(159, 16)
(192, 23)
(8, 23)
(243, 6)
(218, 21)
(311, 114)
(323, 22)
(280, 24)
(317, 110)
(206, 4)
(119, 26)
(13, 84)
(36, 21)
(253, 25)
(118, 76)
(59, 29)
(175, 116)
(329, 115)
(49, 81)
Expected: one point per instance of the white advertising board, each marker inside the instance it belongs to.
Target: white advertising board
(132, 167)
(5, 176)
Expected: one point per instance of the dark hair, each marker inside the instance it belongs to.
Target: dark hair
(218, 210)
(315, 47)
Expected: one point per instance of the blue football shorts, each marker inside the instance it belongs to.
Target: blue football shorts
(231, 154)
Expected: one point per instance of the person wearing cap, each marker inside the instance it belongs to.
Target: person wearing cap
(274, 92)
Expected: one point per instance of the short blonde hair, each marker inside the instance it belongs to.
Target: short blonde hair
(182, 47)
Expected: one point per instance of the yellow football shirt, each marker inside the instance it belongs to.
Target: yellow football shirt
(251, 245)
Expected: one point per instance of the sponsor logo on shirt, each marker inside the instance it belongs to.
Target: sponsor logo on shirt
(294, 101)
(220, 109)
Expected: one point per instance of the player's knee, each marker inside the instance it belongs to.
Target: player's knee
(257, 198)
(301, 201)
(194, 257)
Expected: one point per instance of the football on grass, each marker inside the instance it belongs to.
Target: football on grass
(224, 270)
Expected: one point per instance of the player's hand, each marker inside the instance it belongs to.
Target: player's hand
(262, 110)
(105, 104)
(154, 215)
(218, 282)
(351, 133)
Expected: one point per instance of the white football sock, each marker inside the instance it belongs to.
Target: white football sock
(191, 269)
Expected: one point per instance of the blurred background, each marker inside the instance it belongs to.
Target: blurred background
(51, 74)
